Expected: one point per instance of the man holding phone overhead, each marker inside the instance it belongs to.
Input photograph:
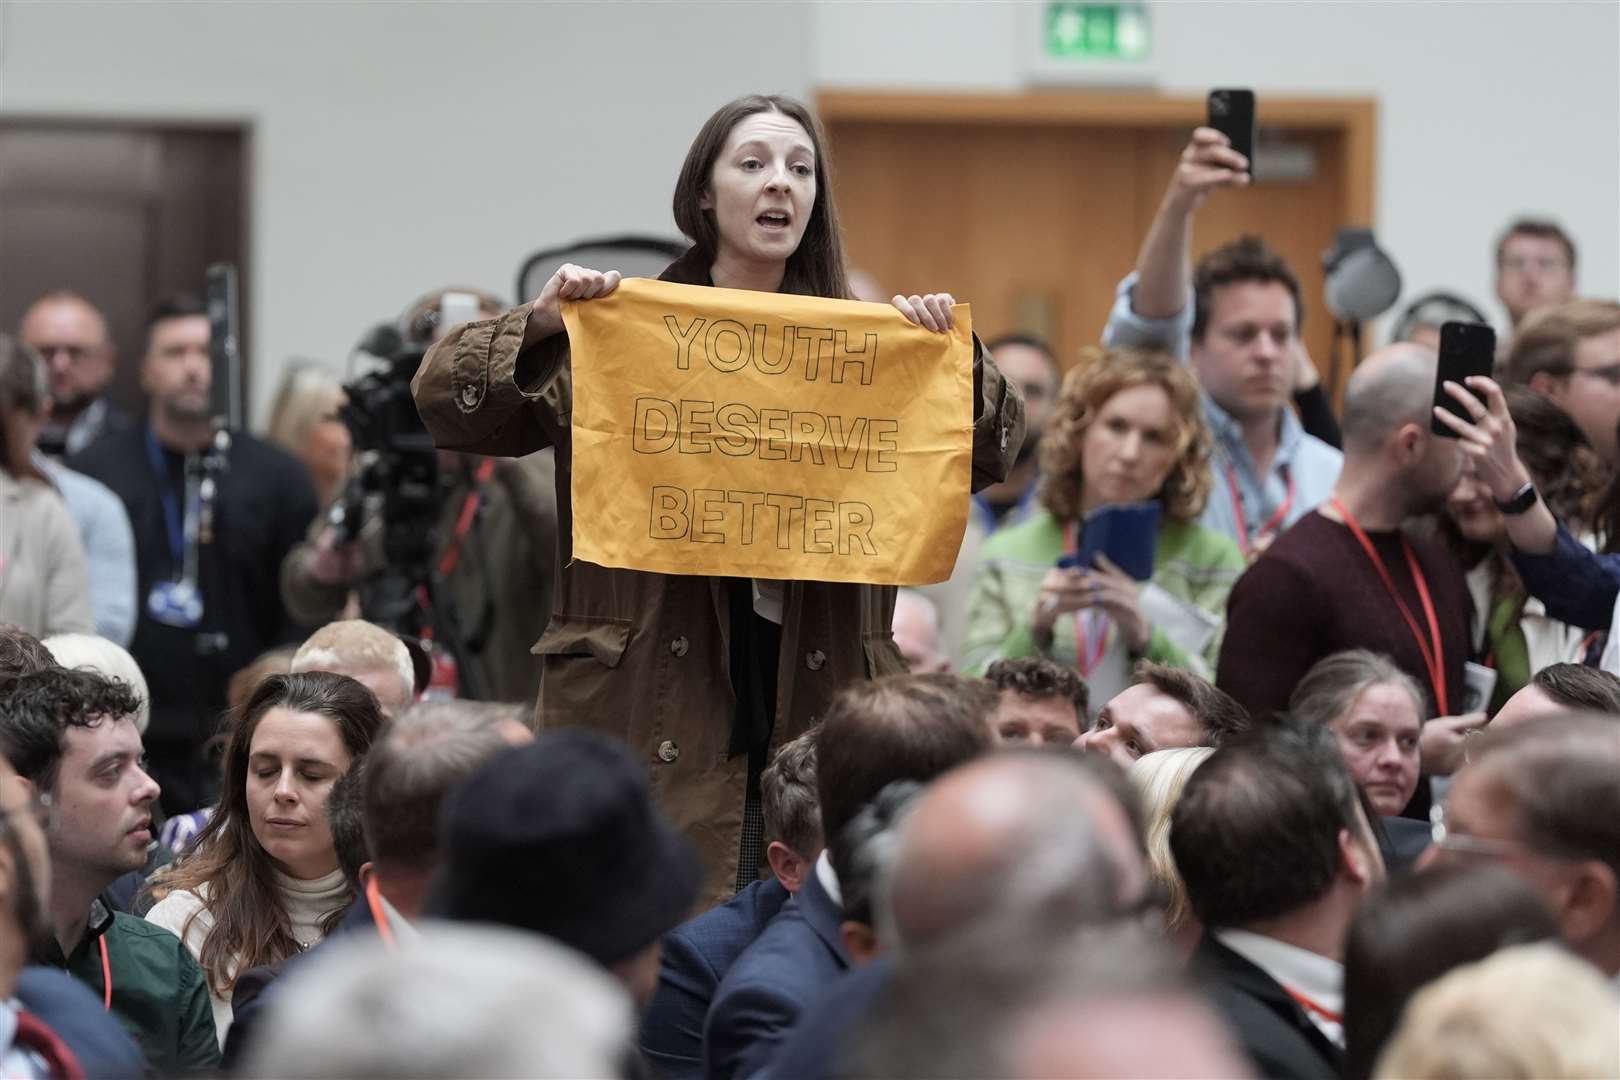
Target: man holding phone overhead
(1236, 319)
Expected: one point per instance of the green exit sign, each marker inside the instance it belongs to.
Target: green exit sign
(1086, 31)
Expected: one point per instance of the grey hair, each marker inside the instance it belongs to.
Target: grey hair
(1393, 388)
(1333, 684)
(454, 1001)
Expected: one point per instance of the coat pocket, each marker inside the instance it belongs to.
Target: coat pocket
(601, 637)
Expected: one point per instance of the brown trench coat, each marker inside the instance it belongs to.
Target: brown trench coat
(646, 656)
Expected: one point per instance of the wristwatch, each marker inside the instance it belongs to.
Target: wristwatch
(1522, 500)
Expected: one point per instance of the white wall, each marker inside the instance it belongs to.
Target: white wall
(399, 146)
(1487, 110)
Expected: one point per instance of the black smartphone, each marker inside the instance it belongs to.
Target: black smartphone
(1466, 349)
(1231, 112)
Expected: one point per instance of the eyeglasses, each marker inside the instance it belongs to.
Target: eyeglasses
(1463, 844)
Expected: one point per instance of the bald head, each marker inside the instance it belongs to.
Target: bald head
(68, 331)
(1392, 387)
(1023, 834)
(916, 632)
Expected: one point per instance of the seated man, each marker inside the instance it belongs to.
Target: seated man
(908, 727)
(1277, 853)
(1557, 690)
(973, 859)
(366, 653)
(1040, 702)
(1165, 707)
(1542, 799)
(698, 953)
(70, 736)
(67, 1023)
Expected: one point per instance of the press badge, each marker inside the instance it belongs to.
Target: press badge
(175, 603)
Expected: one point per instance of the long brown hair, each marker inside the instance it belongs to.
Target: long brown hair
(1100, 374)
(227, 870)
(816, 267)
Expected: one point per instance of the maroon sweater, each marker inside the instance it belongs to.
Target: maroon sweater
(1314, 593)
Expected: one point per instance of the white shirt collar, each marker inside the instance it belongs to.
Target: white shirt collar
(1312, 976)
(829, 879)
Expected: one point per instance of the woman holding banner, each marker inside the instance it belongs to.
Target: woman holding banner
(1127, 429)
(704, 677)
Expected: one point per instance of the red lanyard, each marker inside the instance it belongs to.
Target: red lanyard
(1269, 529)
(1310, 1006)
(1086, 658)
(469, 509)
(106, 974)
(379, 914)
(1433, 653)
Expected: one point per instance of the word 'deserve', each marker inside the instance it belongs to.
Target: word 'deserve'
(740, 430)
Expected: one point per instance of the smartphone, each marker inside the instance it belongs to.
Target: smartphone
(1128, 534)
(1465, 349)
(1231, 112)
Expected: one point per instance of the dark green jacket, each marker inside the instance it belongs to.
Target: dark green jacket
(158, 991)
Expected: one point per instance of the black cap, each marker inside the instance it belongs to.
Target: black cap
(561, 837)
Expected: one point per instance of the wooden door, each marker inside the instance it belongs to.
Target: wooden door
(121, 213)
(1032, 207)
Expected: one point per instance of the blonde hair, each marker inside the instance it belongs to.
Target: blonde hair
(354, 645)
(1159, 778)
(1100, 374)
(1530, 1011)
(104, 657)
(309, 394)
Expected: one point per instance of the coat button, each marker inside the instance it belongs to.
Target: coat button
(668, 751)
(815, 659)
(678, 647)
(469, 395)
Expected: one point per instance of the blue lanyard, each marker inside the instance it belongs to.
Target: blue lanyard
(171, 503)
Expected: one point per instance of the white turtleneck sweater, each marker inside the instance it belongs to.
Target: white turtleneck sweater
(307, 903)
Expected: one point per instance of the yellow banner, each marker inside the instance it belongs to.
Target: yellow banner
(748, 434)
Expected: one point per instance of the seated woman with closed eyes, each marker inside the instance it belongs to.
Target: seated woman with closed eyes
(262, 881)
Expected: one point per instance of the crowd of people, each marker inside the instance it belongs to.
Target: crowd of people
(1329, 788)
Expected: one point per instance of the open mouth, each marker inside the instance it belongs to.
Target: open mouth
(774, 219)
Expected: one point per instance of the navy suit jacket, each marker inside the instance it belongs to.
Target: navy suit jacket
(1269, 1024)
(68, 1008)
(819, 1046)
(772, 983)
(696, 956)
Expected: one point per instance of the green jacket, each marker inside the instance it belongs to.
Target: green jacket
(1194, 569)
(158, 991)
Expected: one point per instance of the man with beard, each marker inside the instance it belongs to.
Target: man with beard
(68, 331)
(1029, 364)
(1347, 577)
(211, 530)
